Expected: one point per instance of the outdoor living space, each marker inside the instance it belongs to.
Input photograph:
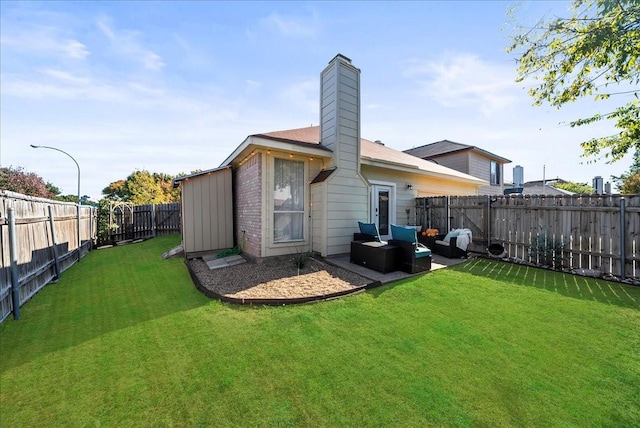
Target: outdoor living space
(437, 262)
(278, 279)
(481, 343)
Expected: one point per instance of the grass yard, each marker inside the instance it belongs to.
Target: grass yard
(124, 339)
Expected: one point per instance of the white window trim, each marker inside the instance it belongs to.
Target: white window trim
(269, 231)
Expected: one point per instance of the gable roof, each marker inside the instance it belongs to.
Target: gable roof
(446, 147)
(370, 153)
(178, 180)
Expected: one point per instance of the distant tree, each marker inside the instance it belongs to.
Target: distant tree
(117, 191)
(143, 187)
(594, 52)
(580, 188)
(629, 182)
(53, 189)
(67, 198)
(27, 183)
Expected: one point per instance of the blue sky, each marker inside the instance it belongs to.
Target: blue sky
(175, 87)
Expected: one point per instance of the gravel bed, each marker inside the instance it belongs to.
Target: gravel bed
(276, 278)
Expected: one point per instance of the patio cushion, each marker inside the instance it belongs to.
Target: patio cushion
(368, 228)
(422, 252)
(374, 244)
(450, 235)
(406, 234)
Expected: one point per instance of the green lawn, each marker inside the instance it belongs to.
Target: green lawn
(124, 339)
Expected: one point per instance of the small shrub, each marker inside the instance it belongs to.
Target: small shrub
(547, 251)
(300, 259)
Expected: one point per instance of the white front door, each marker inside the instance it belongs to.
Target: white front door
(383, 209)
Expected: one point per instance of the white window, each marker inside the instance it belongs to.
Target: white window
(288, 200)
(495, 173)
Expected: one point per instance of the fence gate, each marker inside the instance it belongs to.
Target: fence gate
(128, 221)
(456, 212)
(120, 221)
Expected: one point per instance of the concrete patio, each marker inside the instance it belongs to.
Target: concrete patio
(437, 262)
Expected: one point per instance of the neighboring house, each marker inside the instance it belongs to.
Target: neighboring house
(305, 189)
(471, 160)
(544, 187)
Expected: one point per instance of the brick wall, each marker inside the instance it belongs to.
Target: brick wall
(248, 191)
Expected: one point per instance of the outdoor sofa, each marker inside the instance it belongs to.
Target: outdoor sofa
(369, 251)
(402, 252)
(414, 257)
(453, 245)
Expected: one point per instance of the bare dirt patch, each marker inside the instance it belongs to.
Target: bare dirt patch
(277, 278)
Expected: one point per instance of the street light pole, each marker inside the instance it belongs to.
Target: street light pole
(78, 206)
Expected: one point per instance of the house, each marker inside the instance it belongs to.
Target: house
(305, 189)
(468, 159)
(545, 187)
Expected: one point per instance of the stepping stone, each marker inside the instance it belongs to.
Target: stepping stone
(235, 260)
(177, 251)
(225, 262)
(209, 257)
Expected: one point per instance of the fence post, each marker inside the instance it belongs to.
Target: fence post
(153, 220)
(13, 253)
(79, 237)
(488, 221)
(623, 243)
(448, 210)
(54, 242)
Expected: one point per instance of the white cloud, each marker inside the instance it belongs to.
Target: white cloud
(44, 41)
(127, 44)
(75, 49)
(302, 94)
(464, 80)
(65, 76)
(295, 27)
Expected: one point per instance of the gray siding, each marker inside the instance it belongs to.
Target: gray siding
(318, 209)
(458, 161)
(479, 166)
(347, 194)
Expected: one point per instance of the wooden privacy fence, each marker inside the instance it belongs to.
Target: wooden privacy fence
(128, 221)
(38, 240)
(600, 232)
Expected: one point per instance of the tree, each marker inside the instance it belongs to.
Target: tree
(116, 191)
(595, 53)
(580, 188)
(27, 183)
(629, 182)
(143, 187)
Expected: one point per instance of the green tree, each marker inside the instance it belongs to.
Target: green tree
(143, 187)
(629, 182)
(594, 52)
(116, 191)
(581, 188)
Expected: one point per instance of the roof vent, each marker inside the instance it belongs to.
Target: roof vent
(379, 142)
